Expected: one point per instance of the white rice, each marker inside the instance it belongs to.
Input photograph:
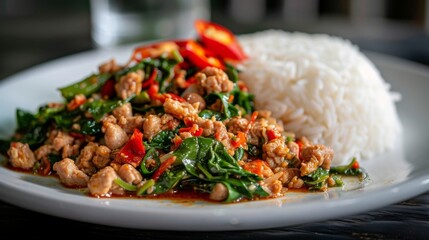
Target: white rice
(324, 88)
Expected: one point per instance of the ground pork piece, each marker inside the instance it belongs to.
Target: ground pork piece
(43, 151)
(131, 123)
(60, 140)
(151, 126)
(185, 135)
(109, 67)
(109, 119)
(102, 157)
(289, 174)
(214, 80)
(274, 152)
(206, 124)
(293, 148)
(21, 156)
(84, 161)
(123, 111)
(101, 183)
(69, 173)
(274, 184)
(180, 110)
(129, 84)
(129, 174)
(168, 122)
(295, 183)
(314, 156)
(237, 124)
(114, 136)
(221, 134)
(71, 150)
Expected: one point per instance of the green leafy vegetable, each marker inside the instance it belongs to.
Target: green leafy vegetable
(207, 159)
(162, 140)
(151, 154)
(98, 108)
(232, 72)
(86, 87)
(125, 185)
(228, 109)
(90, 127)
(317, 179)
(169, 180)
(208, 114)
(4, 146)
(143, 189)
(244, 100)
(347, 169)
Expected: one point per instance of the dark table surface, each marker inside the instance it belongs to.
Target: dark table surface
(404, 220)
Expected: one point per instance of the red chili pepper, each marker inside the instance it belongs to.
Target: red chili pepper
(77, 135)
(240, 140)
(195, 130)
(242, 86)
(355, 165)
(154, 94)
(190, 81)
(151, 79)
(300, 145)
(174, 97)
(271, 134)
(251, 122)
(219, 40)
(199, 56)
(76, 102)
(164, 166)
(176, 142)
(134, 150)
(188, 121)
(255, 166)
(108, 89)
(154, 50)
(45, 167)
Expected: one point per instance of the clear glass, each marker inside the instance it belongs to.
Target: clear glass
(116, 22)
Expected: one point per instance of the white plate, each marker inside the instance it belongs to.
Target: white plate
(395, 176)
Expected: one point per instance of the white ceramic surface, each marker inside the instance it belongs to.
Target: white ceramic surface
(394, 176)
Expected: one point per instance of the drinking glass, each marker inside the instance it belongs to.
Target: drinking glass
(116, 22)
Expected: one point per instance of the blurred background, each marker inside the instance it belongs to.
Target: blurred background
(36, 31)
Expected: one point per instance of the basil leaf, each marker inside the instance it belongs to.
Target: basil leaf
(162, 140)
(228, 109)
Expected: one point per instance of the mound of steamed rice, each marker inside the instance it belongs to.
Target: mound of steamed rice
(324, 88)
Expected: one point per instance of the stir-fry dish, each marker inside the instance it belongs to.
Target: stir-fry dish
(175, 119)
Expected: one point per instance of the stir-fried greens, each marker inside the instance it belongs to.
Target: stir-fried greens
(176, 118)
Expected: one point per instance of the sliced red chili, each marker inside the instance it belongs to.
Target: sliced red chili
(251, 122)
(219, 40)
(108, 89)
(300, 145)
(164, 166)
(256, 166)
(271, 134)
(150, 80)
(199, 56)
(195, 130)
(134, 150)
(240, 140)
(355, 165)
